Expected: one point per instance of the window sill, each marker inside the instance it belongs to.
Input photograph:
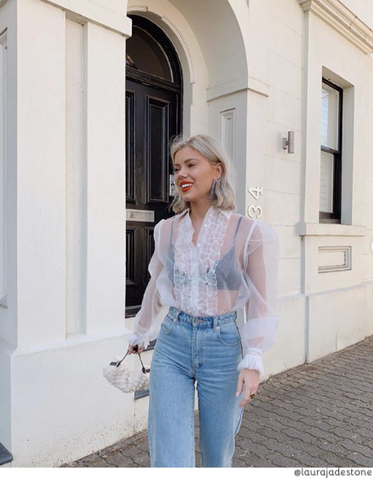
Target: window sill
(326, 229)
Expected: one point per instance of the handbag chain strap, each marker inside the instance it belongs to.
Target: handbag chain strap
(145, 370)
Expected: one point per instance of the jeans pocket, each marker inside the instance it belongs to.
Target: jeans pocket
(228, 334)
(167, 325)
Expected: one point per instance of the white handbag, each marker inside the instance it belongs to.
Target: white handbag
(118, 375)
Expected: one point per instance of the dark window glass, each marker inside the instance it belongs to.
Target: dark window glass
(145, 54)
(331, 152)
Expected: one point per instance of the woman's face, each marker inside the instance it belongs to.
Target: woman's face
(195, 172)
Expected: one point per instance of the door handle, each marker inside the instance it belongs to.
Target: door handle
(172, 186)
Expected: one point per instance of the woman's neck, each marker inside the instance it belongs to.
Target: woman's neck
(198, 211)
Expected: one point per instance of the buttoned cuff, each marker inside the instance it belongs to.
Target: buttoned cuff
(252, 361)
(141, 340)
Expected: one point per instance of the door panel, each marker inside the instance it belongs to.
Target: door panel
(157, 124)
(152, 119)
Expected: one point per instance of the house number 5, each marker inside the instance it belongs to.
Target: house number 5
(255, 210)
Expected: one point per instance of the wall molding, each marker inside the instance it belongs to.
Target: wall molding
(343, 20)
(334, 258)
(330, 229)
(90, 11)
(243, 84)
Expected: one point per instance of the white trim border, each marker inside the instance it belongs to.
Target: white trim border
(343, 20)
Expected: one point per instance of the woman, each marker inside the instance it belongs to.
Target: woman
(208, 262)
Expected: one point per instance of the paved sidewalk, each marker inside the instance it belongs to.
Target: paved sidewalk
(315, 415)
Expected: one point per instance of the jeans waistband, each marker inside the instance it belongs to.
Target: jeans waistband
(206, 322)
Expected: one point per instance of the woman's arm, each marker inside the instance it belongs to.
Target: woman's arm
(151, 305)
(261, 272)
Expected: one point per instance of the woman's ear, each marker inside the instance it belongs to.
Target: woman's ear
(219, 169)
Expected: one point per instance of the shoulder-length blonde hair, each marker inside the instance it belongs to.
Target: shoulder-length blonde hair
(212, 150)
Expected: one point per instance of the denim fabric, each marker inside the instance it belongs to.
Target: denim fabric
(190, 350)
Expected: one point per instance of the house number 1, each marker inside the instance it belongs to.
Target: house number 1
(255, 210)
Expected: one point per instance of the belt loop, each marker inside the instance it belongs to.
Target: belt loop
(174, 314)
(215, 321)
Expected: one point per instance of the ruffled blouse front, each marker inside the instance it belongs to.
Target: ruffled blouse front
(195, 279)
(233, 265)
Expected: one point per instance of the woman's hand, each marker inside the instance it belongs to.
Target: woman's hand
(249, 379)
(134, 349)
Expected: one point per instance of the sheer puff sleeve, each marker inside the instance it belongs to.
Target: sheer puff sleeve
(261, 256)
(151, 305)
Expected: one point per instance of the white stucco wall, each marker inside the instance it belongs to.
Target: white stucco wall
(332, 319)
(65, 316)
(8, 307)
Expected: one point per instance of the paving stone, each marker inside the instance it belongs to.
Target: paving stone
(251, 460)
(119, 460)
(360, 460)
(282, 461)
(238, 463)
(100, 463)
(130, 450)
(352, 446)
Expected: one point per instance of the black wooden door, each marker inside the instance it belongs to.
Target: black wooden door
(152, 119)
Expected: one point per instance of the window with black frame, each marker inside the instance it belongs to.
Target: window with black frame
(331, 153)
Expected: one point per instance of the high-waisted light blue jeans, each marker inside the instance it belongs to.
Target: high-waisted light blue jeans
(189, 349)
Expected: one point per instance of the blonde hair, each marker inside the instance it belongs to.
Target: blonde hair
(212, 150)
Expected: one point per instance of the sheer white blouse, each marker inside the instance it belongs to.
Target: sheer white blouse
(234, 264)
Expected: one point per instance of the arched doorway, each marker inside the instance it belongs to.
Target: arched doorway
(153, 116)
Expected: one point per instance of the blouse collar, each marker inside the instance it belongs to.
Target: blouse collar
(227, 213)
